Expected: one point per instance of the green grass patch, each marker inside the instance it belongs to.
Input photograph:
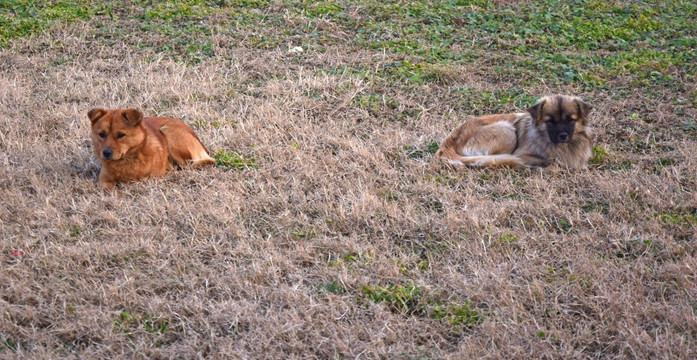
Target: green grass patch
(481, 102)
(22, 18)
(444, 178)
(409, 300)
(564, 225)
(689, 127)
(217, 124)
(176, 10)
(233, 160)
(456, 314)
(661, 163)
(429, 148)
(400, 298)
(11, 345)
(416, 72)
(599, 155)
(599, 206)
(348, 258)
(636, 248)
(678, 218)
(375, 103)
(321, 8)
(303, 233)
(74, 230)
(335, 287)
(507, 238)
(583, 42)
(128, 322)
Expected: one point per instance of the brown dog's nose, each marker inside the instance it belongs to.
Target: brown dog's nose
(107, 153)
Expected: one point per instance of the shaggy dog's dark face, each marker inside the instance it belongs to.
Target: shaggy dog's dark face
(559, 114)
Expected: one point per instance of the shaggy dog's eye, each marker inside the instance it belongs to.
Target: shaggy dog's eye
(119, 136)
(102, 135)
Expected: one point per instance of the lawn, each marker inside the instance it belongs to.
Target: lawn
(327, 230)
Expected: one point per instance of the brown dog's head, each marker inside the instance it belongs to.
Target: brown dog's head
(115, 132)
(560, 114)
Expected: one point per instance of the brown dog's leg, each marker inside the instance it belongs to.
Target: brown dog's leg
(106, 180)
(183, 145)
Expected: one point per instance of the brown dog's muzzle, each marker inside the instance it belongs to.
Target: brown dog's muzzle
(108, 154)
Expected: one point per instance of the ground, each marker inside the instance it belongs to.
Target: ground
(327, 230)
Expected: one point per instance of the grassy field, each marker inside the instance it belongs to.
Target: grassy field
(328, 230)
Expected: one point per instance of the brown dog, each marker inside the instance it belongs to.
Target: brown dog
(131, 147)
(552, 130)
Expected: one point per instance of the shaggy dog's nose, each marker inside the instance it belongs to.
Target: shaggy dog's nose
(563, 137)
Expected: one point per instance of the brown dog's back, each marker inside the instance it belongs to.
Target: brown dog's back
(183, 146)
(131, 147)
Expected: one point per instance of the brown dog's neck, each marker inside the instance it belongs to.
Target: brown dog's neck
(135, 153)
(143, 151)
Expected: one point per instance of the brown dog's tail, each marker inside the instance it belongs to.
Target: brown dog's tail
(450, 156)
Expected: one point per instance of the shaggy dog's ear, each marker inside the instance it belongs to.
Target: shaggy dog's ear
(536, 110)
(583, 107)
(95, 114)
(132, 116)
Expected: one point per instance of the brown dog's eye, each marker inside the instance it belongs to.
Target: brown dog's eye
(120, 135)
(102, 135)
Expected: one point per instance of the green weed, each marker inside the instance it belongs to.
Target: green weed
(430, 148)
(74, 230)
(456, 314)
(635, 248)
(443, 179)
(662, 162)
(480, 102)
(219, 123)
(678, 218)
(564, 225)
(507, 238)
(599, 155)
(303, 233)
(347, 258)
(375, 103)
(11, 345)
(320, 8)
(129, 322)
(600, 206)
(233, 160)
(409, 300)
(400, 298)
(335, 287)
(689, 127)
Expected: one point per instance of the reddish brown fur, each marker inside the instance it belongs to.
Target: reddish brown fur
(524, 139)
(147, 146)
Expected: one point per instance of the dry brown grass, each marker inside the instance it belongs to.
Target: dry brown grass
(225, 263)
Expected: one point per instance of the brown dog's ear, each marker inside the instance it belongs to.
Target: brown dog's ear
(536, 110)
(132, 116)
(95, 114)
(583, 107)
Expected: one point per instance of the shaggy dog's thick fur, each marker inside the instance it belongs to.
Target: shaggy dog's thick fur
(552, 130)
